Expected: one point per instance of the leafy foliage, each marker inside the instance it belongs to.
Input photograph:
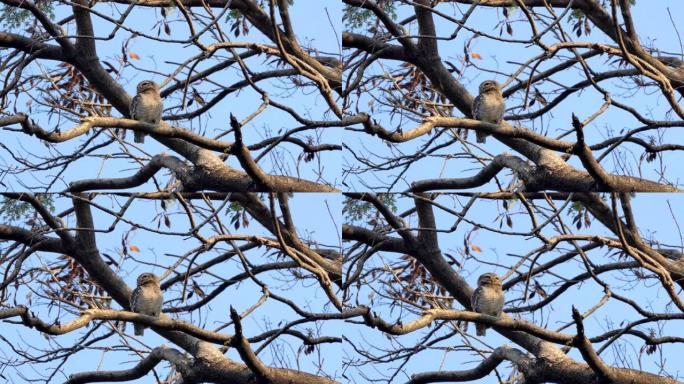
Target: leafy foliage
(13, 17)
(355, 210)
(355, 18)
(14, 210)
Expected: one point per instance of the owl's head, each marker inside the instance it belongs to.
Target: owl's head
(489, 86)
(147, 85)
(147, 278)
(488, 278)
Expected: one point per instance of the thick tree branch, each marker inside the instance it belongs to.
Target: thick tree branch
(366, 236)
(261, 372)
(432, 315)
(580, 341)
(143, 175)
(34, 47)
(382, 50)
(32, 238)
(481, 370)
(522, 169)
(162, 323)
(139, 370)
(581, 149)
(245, 158)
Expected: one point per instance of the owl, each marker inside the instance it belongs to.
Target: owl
(146, 299)
(488, 106)
(146, 106)
(488, 299)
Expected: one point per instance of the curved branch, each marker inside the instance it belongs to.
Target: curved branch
(483, 369)
(372, 238)
(32, 239)
(35, 47)
(139, 178)
(382, 50)
(88, 123)
(141, 369)
(522, 169)
(87, 316)
(455, 122)
(431, 315)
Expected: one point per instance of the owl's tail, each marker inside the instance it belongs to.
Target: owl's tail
(139, 137)
(481, 329)
(140, 329)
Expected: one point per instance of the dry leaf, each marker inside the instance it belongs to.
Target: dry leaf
(134, 56)
(476, 56)
(475, 248)
(134, 248)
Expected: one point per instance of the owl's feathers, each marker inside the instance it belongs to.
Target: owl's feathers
(146, 106)
(146, 299)
(488, 299)
(488, 106)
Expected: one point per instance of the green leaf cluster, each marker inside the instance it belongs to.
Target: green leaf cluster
(14, 210)
(355, 210)
(14, 17)
(356, 18)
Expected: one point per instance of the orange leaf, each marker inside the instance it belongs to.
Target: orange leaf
(475, 248)
(134, 56)
(134, 248)
(473, 55)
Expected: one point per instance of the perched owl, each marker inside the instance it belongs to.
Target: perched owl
(488, 106)
(488, 299)
(146, 299)
(146, 106)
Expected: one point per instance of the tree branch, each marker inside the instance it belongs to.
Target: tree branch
(141, 369)
(248, 356)
(522, 169)
(481, 370)
(145, 173)
(580, 341)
